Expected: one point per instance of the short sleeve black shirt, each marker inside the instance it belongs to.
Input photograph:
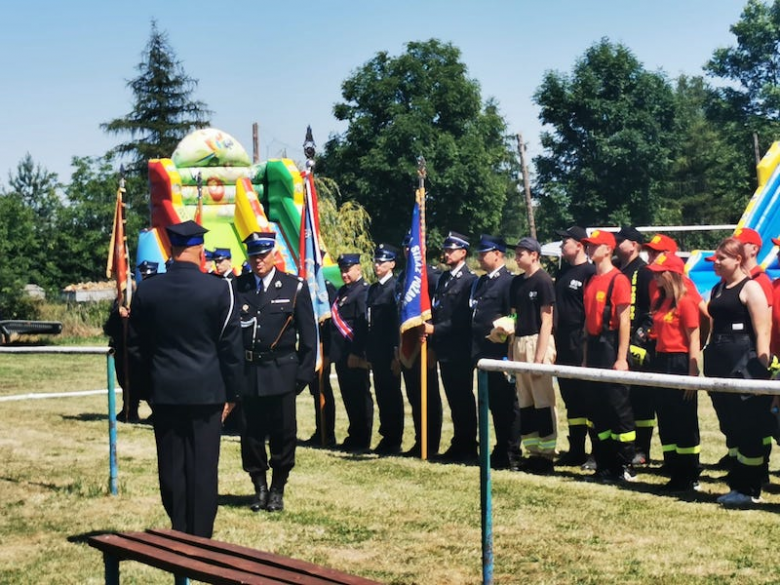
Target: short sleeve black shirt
(569, 287)
(529, 294)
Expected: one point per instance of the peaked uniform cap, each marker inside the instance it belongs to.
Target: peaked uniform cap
(260, 243)
(147, 268)
(347, 260)
(386, 253)
(455, 241)
(221, 254)
(488, 243)
(186, 233)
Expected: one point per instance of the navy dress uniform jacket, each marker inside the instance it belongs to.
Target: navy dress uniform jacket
(351, 303)
(489, 301)
(382, 335)
(452, 316)
(279, 332)
(184, 339)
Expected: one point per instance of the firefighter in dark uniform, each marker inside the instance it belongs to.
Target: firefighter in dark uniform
(222, 263)
(184, 345)
(629, 243)
(322, 390)
(381, 341)
(489, 300)
(450, 335)
(570, 337)
(348, 323)
(412, 374)
(115, 329)
(280, 340)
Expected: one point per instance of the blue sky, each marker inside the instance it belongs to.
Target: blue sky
(281, 64)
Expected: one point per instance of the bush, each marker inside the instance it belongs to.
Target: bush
(15, 304)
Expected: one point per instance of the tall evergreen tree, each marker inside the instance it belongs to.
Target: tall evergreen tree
(164, 111)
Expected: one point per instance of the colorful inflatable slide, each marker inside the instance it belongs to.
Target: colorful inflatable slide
(762, 214)
(236, 196)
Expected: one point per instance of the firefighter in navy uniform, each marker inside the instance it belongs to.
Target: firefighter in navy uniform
(570, 337)
(348, 324)
(278, 325)
(489, 300)
(381, 341)
(412, 374)
(223, 267)
(450, 335)
(184, 346)
(629, 242)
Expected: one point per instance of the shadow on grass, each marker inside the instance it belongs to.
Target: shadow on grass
(86, 417)
(234, 501)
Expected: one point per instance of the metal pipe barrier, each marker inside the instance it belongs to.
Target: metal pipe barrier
(113, 472)
(731, 385)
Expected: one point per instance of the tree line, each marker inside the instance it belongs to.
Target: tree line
(621, 144)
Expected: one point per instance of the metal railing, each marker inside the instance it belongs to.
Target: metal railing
(731, 385)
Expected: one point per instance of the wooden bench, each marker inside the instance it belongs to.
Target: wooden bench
(210, 561)
(34, 327)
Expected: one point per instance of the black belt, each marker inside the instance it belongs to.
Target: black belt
(728, 337)
(265, 356)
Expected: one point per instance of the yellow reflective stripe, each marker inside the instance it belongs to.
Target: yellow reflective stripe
(767, 441)
(645, 423)
(624, 437)
(590, 424)
(750, 461)
(578, 421)
(547, 444)
(733, 452)
(605, 435)
(689, 450)
(668, 448)
(530, 441)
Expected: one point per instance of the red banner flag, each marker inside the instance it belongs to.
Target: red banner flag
(118, 264)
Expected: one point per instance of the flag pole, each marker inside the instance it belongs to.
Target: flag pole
(421, 173)
(309, 150)
(128, 292)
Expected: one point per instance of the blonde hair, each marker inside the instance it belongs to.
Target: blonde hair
(672, 287)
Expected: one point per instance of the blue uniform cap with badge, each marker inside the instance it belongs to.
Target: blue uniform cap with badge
(489, 243)
(260, 243)
(385, 253)
(209, 255)
(185, 234)
(220, 254)
(407, 241)
(455, 241)
(147, 268)
(347, 260)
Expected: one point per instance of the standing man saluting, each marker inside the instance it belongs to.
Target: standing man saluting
(280, 340)
(184, 345)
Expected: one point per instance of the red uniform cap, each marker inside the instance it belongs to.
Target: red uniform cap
(598, 237)
(668, 262)
(710, 258)
(776, 241)
(662, 243)
(748, 236)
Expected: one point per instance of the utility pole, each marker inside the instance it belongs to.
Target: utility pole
(526, 186)
(255, 144)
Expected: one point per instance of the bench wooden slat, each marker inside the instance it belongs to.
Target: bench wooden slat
(331, 575)
(127, 549)
(282, 574)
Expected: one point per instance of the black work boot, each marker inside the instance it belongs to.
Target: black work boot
(260, 499)
(276, 496)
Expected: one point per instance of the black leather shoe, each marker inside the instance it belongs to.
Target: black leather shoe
(387, 448)
(275, 501)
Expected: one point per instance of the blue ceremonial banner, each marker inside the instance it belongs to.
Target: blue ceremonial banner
(415, 302)
(311, 260)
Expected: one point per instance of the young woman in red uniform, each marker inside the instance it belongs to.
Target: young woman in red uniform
(739, 348)
(676, 329)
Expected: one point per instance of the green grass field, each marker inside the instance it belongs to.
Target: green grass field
(395, 520)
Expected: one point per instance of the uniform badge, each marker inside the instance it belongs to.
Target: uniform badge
(245, 308)
(278, 284)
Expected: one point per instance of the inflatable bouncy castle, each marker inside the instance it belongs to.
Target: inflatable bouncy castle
(211, 179)
(761, 214)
